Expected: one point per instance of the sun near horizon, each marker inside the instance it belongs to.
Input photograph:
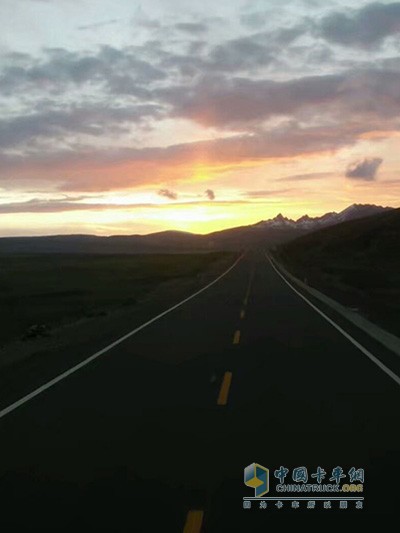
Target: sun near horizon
(167, 119)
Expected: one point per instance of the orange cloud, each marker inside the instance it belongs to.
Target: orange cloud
(102, 170)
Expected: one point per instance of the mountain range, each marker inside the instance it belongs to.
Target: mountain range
(266, 232)
(312, 223)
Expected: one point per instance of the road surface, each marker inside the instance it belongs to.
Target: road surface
(153, 435)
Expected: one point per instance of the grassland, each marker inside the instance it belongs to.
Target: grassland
(59, 289)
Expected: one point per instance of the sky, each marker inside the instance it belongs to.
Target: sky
(122, 117)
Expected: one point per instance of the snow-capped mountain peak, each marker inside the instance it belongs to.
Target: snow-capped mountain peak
(310, 223)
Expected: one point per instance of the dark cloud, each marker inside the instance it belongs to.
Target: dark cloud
(349, 104)
(171, 195)
(83, 169)
(239, 54)
(255, 20)
(150, 24)
(191, 27)
(196, 47)
(241, 103)
(364, 169)
(207, 83)
(132, 70)
(135, 71)
(37, 205)
(210, 194)
(306, 177)
(250, 52)
(234, 55)
(60, 69)
(54, 124)
(365, 27)
(229, 102)
(266, 193)
(97, 25)
(185, 65)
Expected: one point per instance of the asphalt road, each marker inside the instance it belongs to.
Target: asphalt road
(154, 434)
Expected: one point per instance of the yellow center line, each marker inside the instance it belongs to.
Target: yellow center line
(194, 521)
(236, 337)
(242, 314)
(246, 298)
(224, 391)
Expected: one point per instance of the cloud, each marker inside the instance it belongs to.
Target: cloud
(191, 27)
(255, 20)
(60, 70)
(233, 55)
(238, 102)
(234, 102)
(37, 205)
(93, 120)
(171, 195)
(239, 54)
(133, 70)
(97, 25)
(78, 168)
(266, 193)
(65, 106)
(365, 27)
(370, 97)
(210, 194)
(306, 177)
(364, 169)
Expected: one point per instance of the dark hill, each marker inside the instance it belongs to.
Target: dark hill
(266, 232)
(356, 262)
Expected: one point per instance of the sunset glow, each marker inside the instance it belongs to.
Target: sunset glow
(119, 117)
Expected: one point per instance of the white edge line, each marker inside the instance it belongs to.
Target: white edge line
(366, 352)
(85, 362)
